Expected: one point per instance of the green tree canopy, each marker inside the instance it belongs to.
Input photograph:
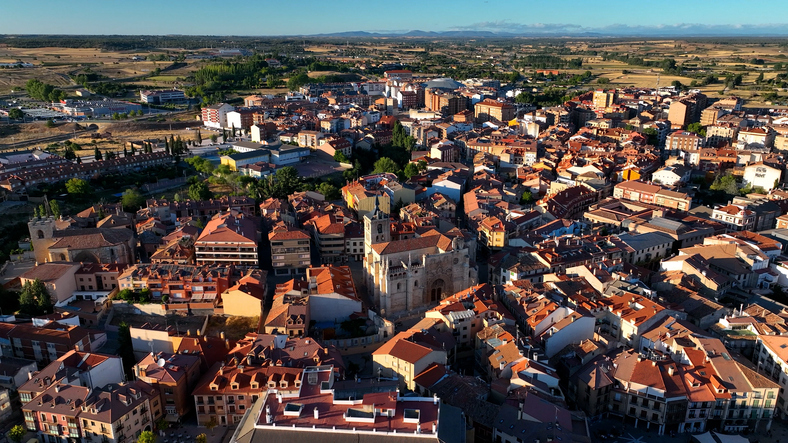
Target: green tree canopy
(410, 170)
(199, 191)
(725, 183)
(385, 164)
(329, 191)
(15, 113)
(340, 157)
(697, 128)
(35, 298)
(147, 437)
(54, 207)
(17, 433)
(97, 153)
(132, 200)
(77, 186)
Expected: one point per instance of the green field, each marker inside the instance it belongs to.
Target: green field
(163, 78)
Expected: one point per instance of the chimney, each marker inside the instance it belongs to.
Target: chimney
(199, 333)
(316, 413)
(670, 370)
(188, 332)
(433, 427)
(520, 411)
(227, 344)
(221, 335)
(435, 399)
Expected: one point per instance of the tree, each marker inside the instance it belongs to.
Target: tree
(125, 151)
(109, 155)
(286, 182)
(603, 80)
(97, 153)
(211, 424)
(527, 198)
(652, 134)
(385, 164)
(199, 137)
(697, 128)
(51, 123)
(147, 437)
(77, 186)
(132, 200)
(35, 299)
(199, 191)
(162, 424)
(15, 113)
(410, 170)
(18, 432)
(202, 438)
(329, 191)
(54, 207)
(298, 80)
(340, 157)
(725, 183)
(214, 137)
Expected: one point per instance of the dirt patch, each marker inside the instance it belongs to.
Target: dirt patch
(234, 328)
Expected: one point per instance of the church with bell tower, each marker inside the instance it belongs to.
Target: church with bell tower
(413, 275)
(377, 228)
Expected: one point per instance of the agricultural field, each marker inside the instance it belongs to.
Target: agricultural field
(55, 65)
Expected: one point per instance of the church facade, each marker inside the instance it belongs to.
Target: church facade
(406, 276)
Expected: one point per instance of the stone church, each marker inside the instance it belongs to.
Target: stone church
(54, 240)
(409, 275)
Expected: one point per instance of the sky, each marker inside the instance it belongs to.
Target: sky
(308, 17)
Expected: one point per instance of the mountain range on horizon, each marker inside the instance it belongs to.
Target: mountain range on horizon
(682, 30)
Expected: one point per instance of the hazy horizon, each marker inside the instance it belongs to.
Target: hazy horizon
(310, 17)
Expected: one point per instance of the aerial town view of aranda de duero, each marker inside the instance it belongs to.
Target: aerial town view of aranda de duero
(313, 228)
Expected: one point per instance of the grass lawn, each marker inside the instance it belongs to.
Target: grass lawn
(164, 78)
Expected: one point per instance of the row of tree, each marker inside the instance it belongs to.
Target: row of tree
(44, 91)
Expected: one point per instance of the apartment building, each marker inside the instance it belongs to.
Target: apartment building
(682, 141)
(118, 413)
(489, 109)
(290, 249)
(179, 283)
(734, 217)
(228, 239)
(320, 411)
(329, 233)
(215, 116)
(653, 194)
(700, 388)
(168, 211)
(47, 343)
(174, 376)
(227, 391)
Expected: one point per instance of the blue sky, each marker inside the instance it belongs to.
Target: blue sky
(300, 17)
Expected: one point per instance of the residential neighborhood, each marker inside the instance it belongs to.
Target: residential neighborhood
(311, 242)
